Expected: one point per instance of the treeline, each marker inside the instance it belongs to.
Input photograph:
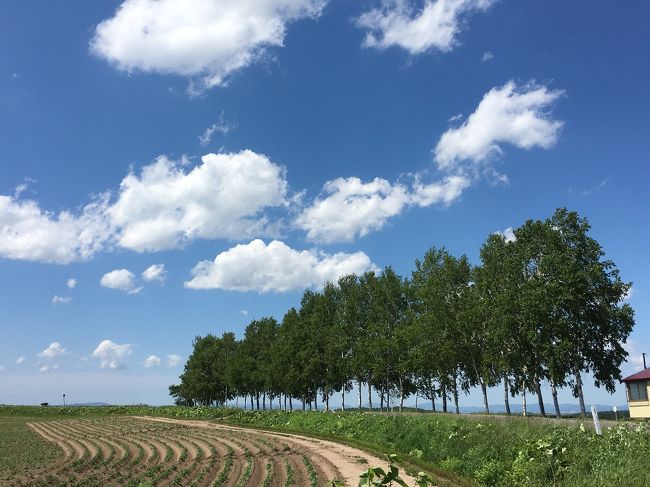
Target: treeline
(545, 305)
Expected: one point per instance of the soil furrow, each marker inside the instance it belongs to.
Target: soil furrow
(339, 461)
(80, 450)
(68, 451)
(169, 452)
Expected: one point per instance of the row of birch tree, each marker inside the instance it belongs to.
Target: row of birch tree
(543, 306)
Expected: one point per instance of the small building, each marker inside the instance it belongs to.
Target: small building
(638, 390)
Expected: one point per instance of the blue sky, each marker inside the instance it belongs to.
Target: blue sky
(169, 134)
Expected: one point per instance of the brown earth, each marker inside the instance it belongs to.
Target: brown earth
(128, 450)
(338, 461)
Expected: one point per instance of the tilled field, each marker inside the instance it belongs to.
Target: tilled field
(154, 451)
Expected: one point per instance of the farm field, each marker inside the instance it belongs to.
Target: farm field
(145, 446)
(139, 451)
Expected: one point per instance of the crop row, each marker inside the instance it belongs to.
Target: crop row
(134, 452)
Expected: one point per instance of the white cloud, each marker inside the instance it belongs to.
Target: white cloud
(222, 126)
(48, 368)
(232, 195)
(417, 30)
(155, 272)
(111, 355)
(2, 368)
(29, 233)
(151, 361)
(19, 190)
(443, 192)
(274, 268)
(121, 279)
(71, 283)
(54, 350)
(166, 206)
(23, 187)
(506, 115)
(173, 360)
(635, 356)
(508, 234)
(487, 56)
(349, 208)
(223, 197)
(20, 360)
(238, 196)
(61, 300)
(206, 40)
(629, 294)
(243, 312)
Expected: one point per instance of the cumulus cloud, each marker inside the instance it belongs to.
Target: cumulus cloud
(402, 23)
(221, 126)
(20, 360)
(274, 268)
(111, 355)
(71, 283)
(48, 368)
(173, 360)
(236, 196)
(151, 361)
(508, 234)
(205, 40)
(349, 208)
(29, 233)
(445, 191)
(507, 115)
(54, 350)
(121, 279)
(155, 272)
(166, 206)
(223, 197)
(61, 300)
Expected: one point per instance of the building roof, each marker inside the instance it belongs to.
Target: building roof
(643, 375)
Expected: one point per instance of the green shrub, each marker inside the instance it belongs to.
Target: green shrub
(493, 452)
(490, 473)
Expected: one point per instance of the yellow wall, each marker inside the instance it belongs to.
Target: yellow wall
(639, 409)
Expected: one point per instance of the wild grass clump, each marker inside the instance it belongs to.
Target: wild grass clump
(491, 452)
